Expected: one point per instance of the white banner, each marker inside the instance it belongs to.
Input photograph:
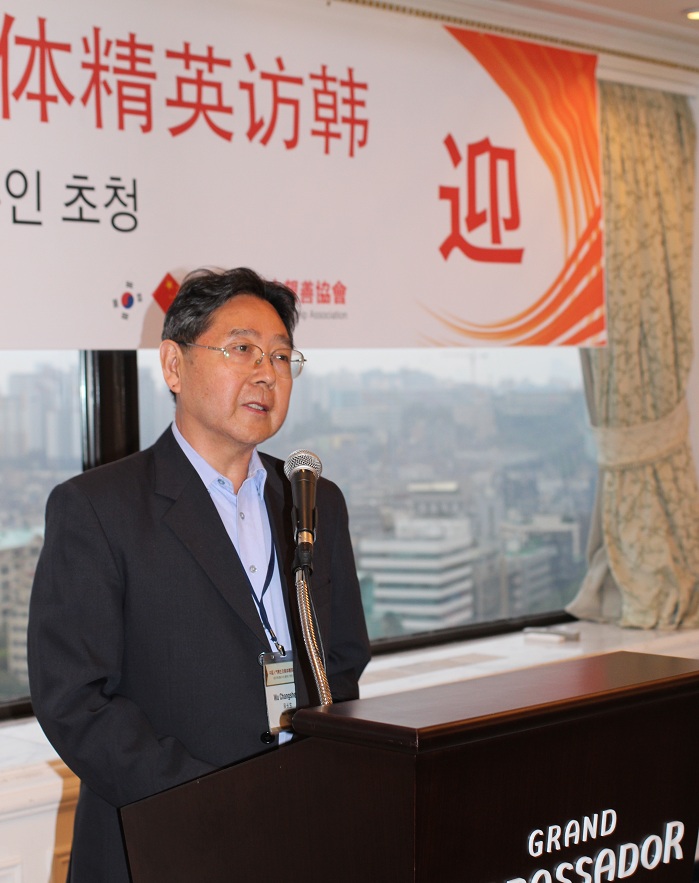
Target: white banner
(415, 184)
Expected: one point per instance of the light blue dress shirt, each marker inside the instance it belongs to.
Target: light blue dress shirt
(246, 520)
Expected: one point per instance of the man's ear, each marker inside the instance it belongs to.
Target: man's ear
(171, 357)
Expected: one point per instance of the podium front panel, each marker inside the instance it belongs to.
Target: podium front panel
(595, 795)
(575, 772)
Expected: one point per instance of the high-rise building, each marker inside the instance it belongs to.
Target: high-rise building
(19, 550)
(544, 561)
(527, 572)
(423, 573)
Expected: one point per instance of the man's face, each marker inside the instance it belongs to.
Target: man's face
(223, 413)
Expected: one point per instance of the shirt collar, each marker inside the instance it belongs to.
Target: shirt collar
(210, 476)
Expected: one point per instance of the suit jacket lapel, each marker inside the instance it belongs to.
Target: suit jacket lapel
(194, 520)
(279, 507)
(278, 501)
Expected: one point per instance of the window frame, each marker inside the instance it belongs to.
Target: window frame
(110, 430)
(109, 418)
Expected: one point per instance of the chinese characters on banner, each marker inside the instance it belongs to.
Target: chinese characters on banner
(417, 184)
(198, 88)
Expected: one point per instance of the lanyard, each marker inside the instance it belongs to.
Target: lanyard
(261, 603)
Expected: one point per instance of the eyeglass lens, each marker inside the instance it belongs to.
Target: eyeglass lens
(286, 362)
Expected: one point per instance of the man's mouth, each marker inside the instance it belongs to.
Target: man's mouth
(256, 406)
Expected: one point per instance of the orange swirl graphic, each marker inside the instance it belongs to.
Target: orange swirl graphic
(555, 94)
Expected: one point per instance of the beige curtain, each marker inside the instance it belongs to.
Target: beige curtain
(644, 541)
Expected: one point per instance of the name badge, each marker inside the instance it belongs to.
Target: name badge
(280, 689)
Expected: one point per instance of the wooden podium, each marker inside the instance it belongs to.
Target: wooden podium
(554, 772)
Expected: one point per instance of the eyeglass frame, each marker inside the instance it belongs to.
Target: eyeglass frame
(257, 362)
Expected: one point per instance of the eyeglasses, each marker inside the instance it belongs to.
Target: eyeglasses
(245, 357)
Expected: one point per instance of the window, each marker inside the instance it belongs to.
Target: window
(40, 445)
(469, 475)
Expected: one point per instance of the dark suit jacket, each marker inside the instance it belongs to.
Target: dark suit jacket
(144, 639)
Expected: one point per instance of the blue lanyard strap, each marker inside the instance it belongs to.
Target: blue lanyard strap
(261, 603)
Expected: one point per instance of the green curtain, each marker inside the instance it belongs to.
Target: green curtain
(644, 541)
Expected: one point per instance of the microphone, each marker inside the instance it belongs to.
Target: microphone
(303, 469)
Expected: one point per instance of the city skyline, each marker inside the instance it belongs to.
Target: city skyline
(486, 366)
(512, 467)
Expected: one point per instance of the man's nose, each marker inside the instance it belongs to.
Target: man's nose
(263, 370)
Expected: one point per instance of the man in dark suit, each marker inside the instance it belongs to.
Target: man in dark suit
(165, 576)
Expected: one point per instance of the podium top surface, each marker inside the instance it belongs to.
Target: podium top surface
(452, 714)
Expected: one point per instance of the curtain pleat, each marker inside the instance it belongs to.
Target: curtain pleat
(644, 541)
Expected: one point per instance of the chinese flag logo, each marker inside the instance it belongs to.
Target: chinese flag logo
(165, 293)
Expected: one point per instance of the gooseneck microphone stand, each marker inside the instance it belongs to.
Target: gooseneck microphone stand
(302, 572)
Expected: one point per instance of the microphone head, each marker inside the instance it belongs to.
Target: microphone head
(302, 460)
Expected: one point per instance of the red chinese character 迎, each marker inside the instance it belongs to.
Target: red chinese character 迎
(476, 217)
